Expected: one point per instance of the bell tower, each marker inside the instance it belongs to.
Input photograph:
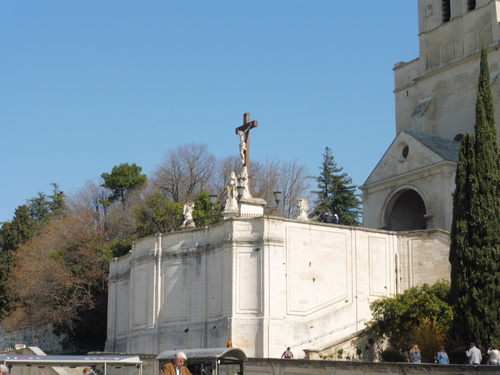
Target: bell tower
(411, 187)
(436, 92)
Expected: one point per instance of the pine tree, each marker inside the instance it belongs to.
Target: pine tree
(475, 234)
(27, 222)
(122, 179)
(44, 208)
(22, 228)
(336, 194)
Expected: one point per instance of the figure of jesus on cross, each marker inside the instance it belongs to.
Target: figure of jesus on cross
(244, 132)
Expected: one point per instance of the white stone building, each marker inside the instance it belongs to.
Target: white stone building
(266, 282)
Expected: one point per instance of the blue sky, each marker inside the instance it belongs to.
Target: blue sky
(90, 84)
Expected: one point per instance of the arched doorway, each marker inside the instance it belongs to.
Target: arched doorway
(407, 212)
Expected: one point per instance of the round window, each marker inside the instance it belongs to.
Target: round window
(404, 152)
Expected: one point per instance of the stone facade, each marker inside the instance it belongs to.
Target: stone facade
(435, 97)
(411, 187)
(436, 93)
(264, 282)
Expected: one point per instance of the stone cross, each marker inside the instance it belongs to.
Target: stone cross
(244, 132)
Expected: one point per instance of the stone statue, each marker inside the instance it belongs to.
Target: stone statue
(243, 181)
(303, 206)
(188, 216)
(243, 144)
(244, 132)
(232, 194)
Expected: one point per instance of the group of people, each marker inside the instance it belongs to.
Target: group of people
(473, 354)
(414, 356)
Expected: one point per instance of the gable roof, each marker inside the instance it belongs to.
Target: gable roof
(446, 148)
(434, 149)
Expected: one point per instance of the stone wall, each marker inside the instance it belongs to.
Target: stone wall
(42, 337)
(256, 366)
(264, 283)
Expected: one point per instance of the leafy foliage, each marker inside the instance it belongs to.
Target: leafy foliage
(203, 213)
(28, 220)
(336, 194)
(22, 228)
(427, 333)
(60, 278)
(122, 179)
(43, 208)
(157, 215)
(413, 315)
(475, 234)
(119, 248)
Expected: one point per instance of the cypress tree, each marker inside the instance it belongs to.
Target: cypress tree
(460, 256)
(475, 234)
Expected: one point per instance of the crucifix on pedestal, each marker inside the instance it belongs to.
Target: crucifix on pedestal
(243, 202)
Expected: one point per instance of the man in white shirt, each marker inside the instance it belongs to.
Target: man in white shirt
(474, 355)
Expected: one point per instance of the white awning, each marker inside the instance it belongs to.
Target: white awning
(205, 354)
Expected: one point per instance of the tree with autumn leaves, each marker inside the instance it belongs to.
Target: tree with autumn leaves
(60, 279)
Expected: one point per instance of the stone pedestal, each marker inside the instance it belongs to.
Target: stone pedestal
(229, 214)
(188, 224)
(251, 207)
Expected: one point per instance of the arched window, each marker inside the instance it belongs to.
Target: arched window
(471, 4)
(446, 10)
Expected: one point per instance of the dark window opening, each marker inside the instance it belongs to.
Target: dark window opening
(405, 152)
(408, 212)
(471, 5)
(458, 137)
(446, 10)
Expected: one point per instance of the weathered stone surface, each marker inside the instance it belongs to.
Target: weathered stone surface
(264, 283)
(435, 97)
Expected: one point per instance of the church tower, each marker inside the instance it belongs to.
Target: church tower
(411, 187)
